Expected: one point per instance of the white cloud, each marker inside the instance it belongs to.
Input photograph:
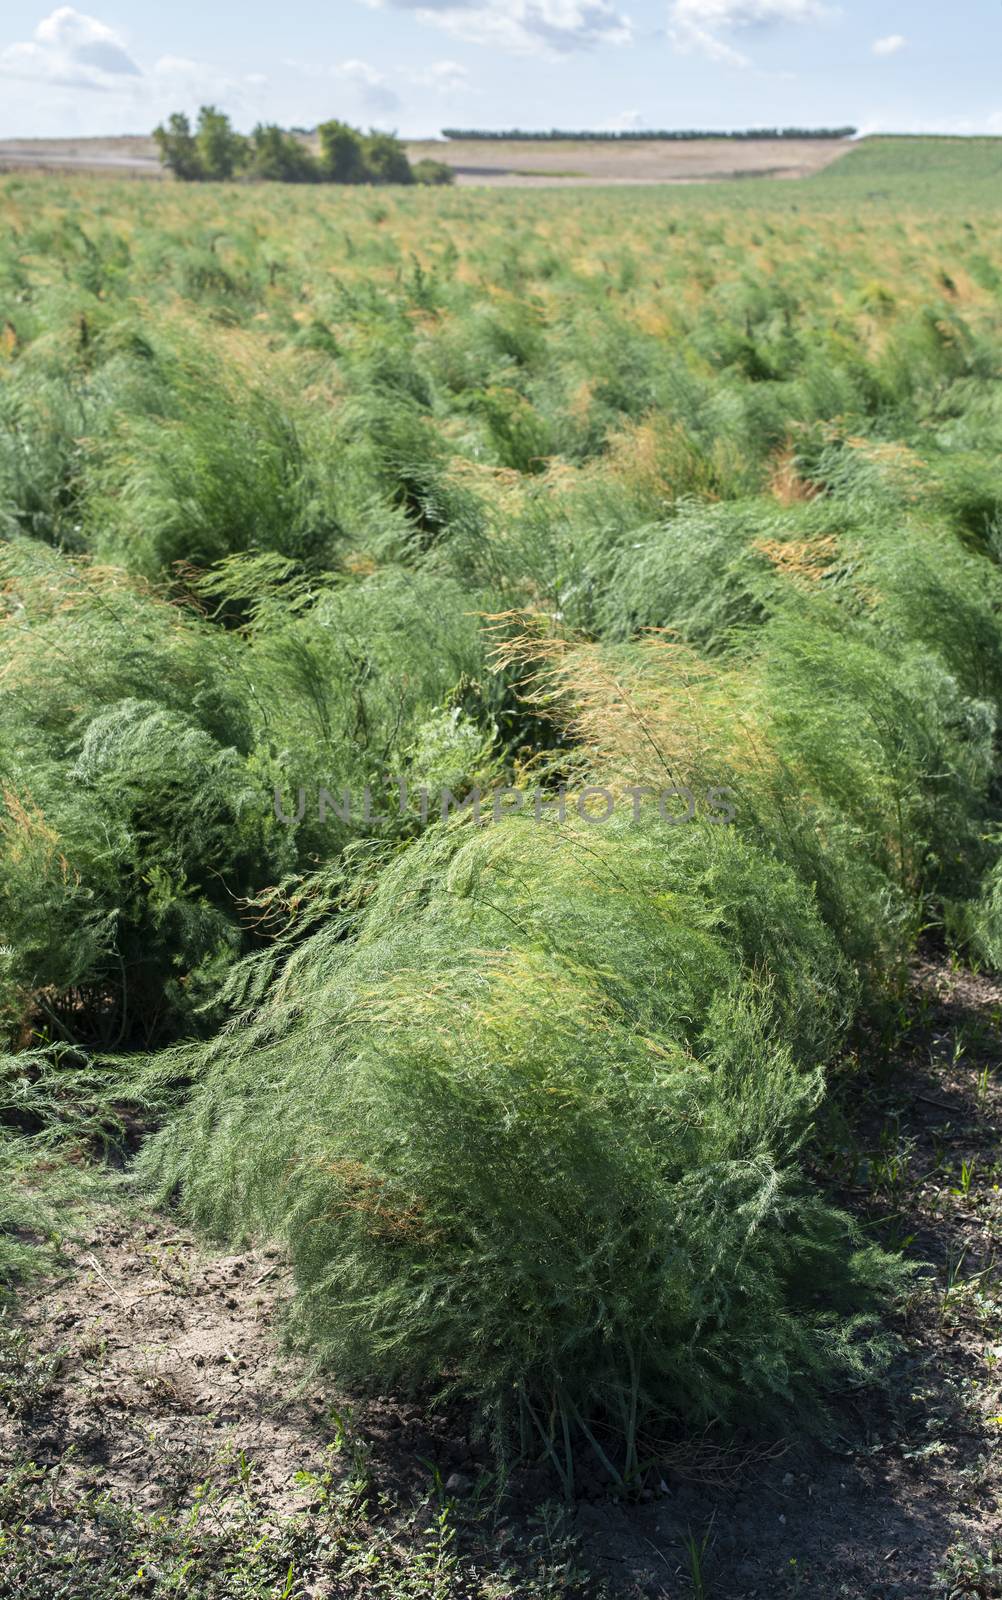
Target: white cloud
(445, 77)
(688, 36)
(180, 81)
(371, 87)
(625, 122)
(379, 93)
(537, 27)
(71, 50)
(360, 72)
(889, 46)
(747, 13)
(697, 24)
(86, 40)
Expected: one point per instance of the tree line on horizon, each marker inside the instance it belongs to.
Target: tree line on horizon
(651, 133)
(215, 152)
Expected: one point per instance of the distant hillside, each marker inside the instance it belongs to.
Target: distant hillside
(946, 171)
(918, 166)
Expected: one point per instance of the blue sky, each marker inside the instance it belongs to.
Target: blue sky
(420, 65)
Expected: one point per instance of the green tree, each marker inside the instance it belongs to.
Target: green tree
(386, 159)
(341, 156)
(279, 157)
(216, 151)
(433, 172)
(177, 147)
(220, 149)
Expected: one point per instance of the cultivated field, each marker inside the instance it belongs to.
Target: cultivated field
(500, 887)
(561, 163)
(569, 163)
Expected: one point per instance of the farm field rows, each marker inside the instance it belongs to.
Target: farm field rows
(499, 703)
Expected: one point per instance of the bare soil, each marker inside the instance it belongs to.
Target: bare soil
(588, 163)
(128, 156)
(496, 164)
(159, 1359)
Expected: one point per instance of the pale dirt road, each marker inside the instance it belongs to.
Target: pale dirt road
(128, 155)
